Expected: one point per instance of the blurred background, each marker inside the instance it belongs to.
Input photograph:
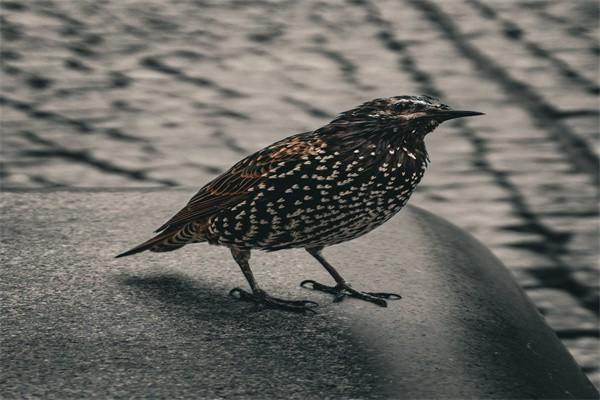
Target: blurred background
(125, 94)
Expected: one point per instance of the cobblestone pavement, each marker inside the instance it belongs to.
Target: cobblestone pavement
(132, 93)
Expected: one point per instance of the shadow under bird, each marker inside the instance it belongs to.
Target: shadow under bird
(312, 190)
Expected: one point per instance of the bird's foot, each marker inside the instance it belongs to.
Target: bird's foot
(262, 300)
(343, 290)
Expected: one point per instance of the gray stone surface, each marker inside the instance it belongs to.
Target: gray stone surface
(76, 323)
(158, 93)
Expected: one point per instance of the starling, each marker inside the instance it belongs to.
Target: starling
(312, 190)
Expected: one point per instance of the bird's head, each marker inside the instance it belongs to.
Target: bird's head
(408, 116)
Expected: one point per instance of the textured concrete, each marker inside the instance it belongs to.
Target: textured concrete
(128, 93)
(78, 323)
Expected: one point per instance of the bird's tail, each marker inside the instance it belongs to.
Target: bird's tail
(170, 240)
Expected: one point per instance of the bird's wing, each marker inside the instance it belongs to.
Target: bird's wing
(232, 186)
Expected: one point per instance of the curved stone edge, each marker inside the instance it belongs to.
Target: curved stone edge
(86, 324)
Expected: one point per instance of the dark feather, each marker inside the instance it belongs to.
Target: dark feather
(232, 186)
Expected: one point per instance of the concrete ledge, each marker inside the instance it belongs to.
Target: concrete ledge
(77, 323)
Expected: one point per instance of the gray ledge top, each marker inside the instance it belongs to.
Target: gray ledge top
(76, 323)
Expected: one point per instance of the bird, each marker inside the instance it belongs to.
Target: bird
(312, 190)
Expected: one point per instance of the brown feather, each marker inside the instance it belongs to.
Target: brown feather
(232, 186)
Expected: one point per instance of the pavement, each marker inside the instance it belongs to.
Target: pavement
(77, 323)
(158, 94)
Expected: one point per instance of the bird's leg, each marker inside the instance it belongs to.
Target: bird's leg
(343, 288)
(259, 297)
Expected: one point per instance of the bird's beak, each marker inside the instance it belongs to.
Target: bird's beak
(445, 115)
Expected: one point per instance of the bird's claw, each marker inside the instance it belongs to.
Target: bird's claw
(341, 291)
(383, 295)
(263, 301)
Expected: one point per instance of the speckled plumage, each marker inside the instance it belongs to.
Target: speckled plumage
(330, 192)
(314, 189)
